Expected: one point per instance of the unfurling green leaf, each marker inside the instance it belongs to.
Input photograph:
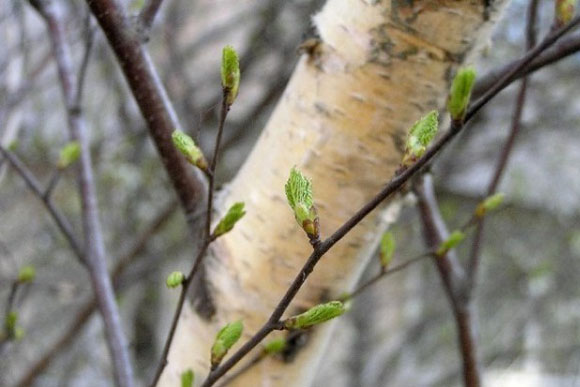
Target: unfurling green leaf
(230, 72)
(565, 11)
(461, 93)
(225, 339)
(388, 246)
(453, 240)
(187, 378)
(299, 195)
(420, 136)
(175, 279)
(275, 346)
(227, 223)
(315, 315)
(187, 147)
(69, 154)
(26, 274)
(489, 204)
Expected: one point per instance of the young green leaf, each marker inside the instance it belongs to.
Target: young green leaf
(230, 73)
(187, 147)
(26, 274)
(299, 194)
(175, 279)
(315, 315)
(388, 246)
(13, 330)
(453, 240)
(187, 378)
(225, 339)
(461, 93)
(227, 223)
(275, 346)
(489, 204)
(420, 136)
(69, 154)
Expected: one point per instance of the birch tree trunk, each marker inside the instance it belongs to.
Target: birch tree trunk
(342, 120)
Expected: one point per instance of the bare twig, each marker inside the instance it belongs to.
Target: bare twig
(94, 243)
(87, 310)
(147, 16)
(507, 149)
(389, 190)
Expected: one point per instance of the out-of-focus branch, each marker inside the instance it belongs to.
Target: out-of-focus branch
(94, 244)
(152, 100)
(147, 16)
(87, 310)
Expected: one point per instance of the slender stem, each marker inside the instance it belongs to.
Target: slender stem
(94, 242)
(503, 159)
(37, 190)
(147, 16)
(52, 184)
(392, 187)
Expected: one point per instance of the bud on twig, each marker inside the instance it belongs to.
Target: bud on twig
(489, 204)
(69, 154)
(388, 246)
(275, 346)
(187, 378)
(453, 240)
(187, 147)
(419, 137)
(225, 339)
(461, 93)
(175, 279)
(26, 274)
(230, 72)
(227, 223)
(14, 331)
(565, 11)
(299, 195)
(315, 315)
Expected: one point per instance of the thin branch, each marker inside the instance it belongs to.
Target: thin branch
(39, 192)
(87, 310)
(94, 243)
(389, 190)
(503, 159)
(147, 16)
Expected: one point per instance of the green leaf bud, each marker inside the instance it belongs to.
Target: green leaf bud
(230, 72)
(315, 315)
(489, 204)
(420, 136)
(388, 246)
(175, 279)
(187, 147)
(26, 274)
(453, 240)
(69, 154)
(299, 195)
(13, 330)
(225, 339)
(227, 223)
(275, 346)
(187, 378)
(461, 93)
(565, 11)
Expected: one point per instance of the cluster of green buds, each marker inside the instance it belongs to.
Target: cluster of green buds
(175, 279)
(451, 242)
(225, 339)
(299, 195)
(26, 274)
(230, 73)
(69, 154)
(565, 11)
(315, 315)
(460, 94)
(189, 149)
(227, 223)
(419, 137)
(187, 378)
(387, 249)
(275, 346)
(488, 204)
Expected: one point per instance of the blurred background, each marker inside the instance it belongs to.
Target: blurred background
(400, 333)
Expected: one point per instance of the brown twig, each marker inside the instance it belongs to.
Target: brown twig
(87, 310)
(503, 159)
(392, 187)
(147, 16)
(94, 243)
